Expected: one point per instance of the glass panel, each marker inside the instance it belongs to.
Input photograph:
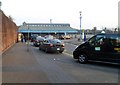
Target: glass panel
(114, 40)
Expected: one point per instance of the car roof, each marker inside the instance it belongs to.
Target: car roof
(107, 34)
(56, 40)
(40, 38)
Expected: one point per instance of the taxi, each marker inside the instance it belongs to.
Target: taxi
(101, 47)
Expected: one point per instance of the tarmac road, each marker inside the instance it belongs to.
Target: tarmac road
(20, 66)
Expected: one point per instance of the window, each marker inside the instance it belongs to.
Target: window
(92, 40)
(100, 41)
(97, 40)
(114, 40)
(45, 41)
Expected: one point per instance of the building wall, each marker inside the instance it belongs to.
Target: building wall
(8, 32)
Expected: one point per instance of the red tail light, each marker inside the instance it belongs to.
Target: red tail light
(37, 40)
(63, 45)
(51, 45)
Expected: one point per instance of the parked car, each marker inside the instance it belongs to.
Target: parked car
(48, 37)
(33, 38)
(64, 37)
(101, 47)
(38, 40)
(52, 45)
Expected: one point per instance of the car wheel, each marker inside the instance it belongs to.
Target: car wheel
(60, 51)
(82, 58)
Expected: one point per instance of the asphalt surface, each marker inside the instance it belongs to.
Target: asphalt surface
(20, 66)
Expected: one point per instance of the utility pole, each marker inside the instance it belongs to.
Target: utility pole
(50, 21)
(0, 5)
(119, 17)
(80, 26)
(27, 36)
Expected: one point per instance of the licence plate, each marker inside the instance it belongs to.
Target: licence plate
(58, 48)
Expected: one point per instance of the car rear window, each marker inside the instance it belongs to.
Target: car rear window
(40, 38)
(55, 41)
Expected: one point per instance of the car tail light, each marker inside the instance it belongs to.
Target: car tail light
(37, 40)
(51, 45)
(63, 45)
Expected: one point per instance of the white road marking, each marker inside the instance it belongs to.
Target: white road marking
(67, 54)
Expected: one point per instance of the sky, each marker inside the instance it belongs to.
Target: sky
(95, 13)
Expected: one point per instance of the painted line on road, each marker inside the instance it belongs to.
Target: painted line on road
(71, 44)
(66, 53)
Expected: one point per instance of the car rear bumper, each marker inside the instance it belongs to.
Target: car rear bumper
(56, 49)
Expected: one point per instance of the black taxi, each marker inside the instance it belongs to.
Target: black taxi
(100, 47)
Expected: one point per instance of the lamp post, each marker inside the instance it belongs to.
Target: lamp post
(0, 5)
(27, 37)
(28, 40)
(80, 26)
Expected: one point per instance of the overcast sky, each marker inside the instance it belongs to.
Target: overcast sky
(95, 13)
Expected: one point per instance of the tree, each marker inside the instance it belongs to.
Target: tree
(94, 30)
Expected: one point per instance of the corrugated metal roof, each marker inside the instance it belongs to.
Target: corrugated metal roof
(46, 28)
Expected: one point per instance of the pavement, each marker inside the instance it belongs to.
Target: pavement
(20, 66)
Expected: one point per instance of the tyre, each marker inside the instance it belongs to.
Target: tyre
(82, 58)
(60, 51)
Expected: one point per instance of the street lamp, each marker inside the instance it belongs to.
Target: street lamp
(80, 26)
(0, 5)
(27, 37)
